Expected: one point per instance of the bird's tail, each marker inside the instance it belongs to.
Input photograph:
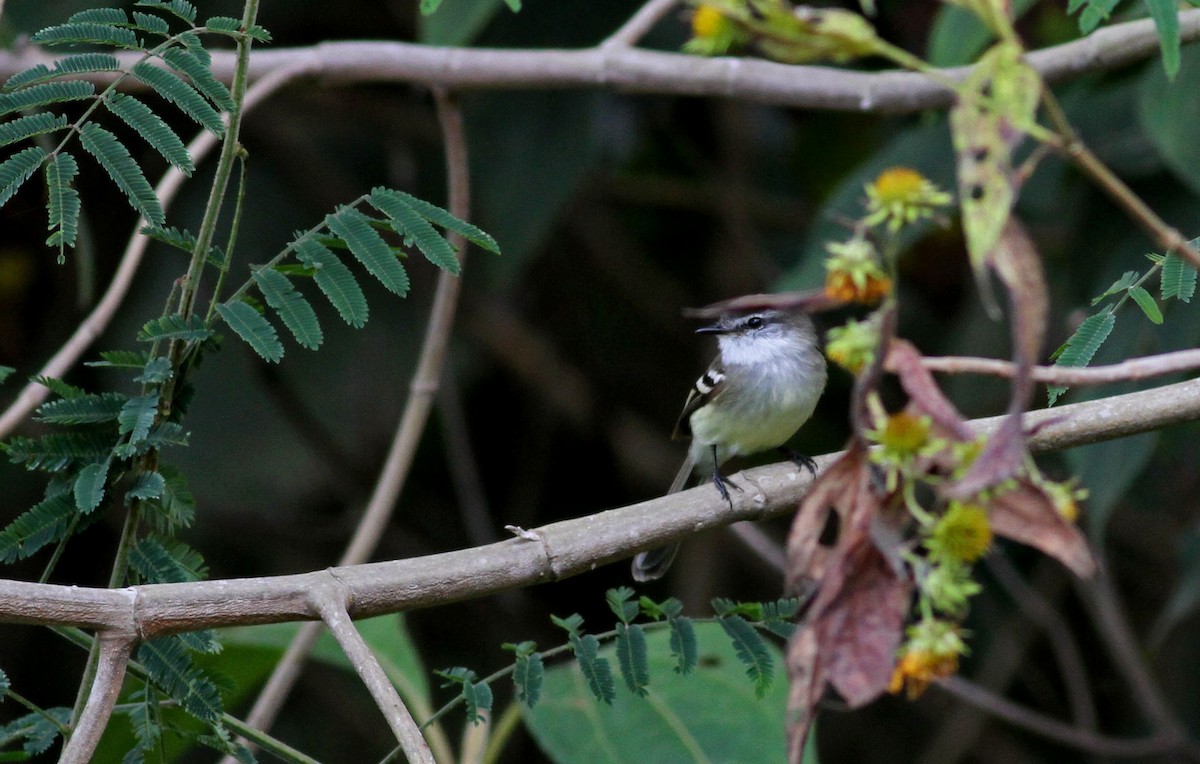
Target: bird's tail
(651, 565)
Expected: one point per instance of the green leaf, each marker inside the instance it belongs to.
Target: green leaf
(1166, 21)
(84, 409)
(1094, 11)
(298, 316)
(255, 330)
(152, 129)
(171, 668)
(147, 485)
(201, 76)
(151, 24)
(407, 223)
(442, 218)
(121, 359)
(42, 95)
(175, 327)
(620, 601)
(174, 237)
(110, 16)
(5, 373)
(81, 64)
(571, 623)
(137, 415)
(156, 563)
(44, 523)
(181, 8)
(89, 485)
(17, 169)
(88, 33)
(178, 503)
(529, 672)
(28, 126)
(1147, 304)
(227, 24)
(180, 93)
(145, 726)
(1081, 346)
(683, 644)
(57, 451)
(1178, 279)
(1120, 285)
(597, 671)
(155, 372)
(39, 729)
(62, 206)
(710, 716)
(365, 243)
(632, 657)
(751, 651)
(115, 160)
(335, 280)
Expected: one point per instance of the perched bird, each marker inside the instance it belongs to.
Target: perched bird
(762, 386)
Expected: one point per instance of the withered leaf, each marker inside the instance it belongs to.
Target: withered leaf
(1026, 514)
(923, 391)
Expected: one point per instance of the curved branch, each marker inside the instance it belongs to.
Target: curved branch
(1125, 371)
(549, 553)
(115, 648)
(33, 394)
(634, 70)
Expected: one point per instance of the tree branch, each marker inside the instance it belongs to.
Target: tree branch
(552, 552)
(1126, 371)
(115, 648)
(634, 70)
(331, 604)
(639, 24)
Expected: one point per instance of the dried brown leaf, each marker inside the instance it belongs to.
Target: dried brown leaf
(1026, 514)
(923, 391)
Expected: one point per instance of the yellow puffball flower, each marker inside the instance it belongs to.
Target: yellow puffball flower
(900, 196)
(963, 533)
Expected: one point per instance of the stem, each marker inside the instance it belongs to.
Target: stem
(238, 207)
(502, 730)
(35, 708)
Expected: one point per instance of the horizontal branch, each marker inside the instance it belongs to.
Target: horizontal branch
(549, 553)
(1125, 371)
(636, 70)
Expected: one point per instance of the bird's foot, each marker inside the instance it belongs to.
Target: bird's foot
(800, 460)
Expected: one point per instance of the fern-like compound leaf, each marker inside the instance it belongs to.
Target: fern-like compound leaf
(92, 408)
(175, 327)
(137, 416)
(255, 330)
(26, 127)
(62, 207)
(597, 671)
(1081, 346)
(170, 667)
(149, 23)
(225, 24)
(298, 316)
(45, 94)
(89, 485)
(172, 236)
(79, 64)
(444, 219)
(166, 562)
(751, 651)
(365, 243)
(632, 657)
(88, 33)
(110, 16)
(152, 129)
(181, 8)
(44, 523)
(172, 88)
(201, 76)
(147, 485)
(410, 225)
(684, 647)
(620, 601)
(529, 674)
(17, 169)
(115, 159)
(58, 450)
(1178, 278)
(335, 280)
(121, 359)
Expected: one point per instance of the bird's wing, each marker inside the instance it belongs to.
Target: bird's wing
(706, 388)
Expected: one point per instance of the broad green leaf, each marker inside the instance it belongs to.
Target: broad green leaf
(17, 169)
(407, 223)
(335, 280)
(1147, 304)
(47, 93)
(28, 126)
(115, 160)
(1166, 21)
(711, 715)
(180, 93)
(257, 332)
(1082, 345)
(365, 243)
(152, 129)
(298, 316)
(62, 206)
(1178, 279)
(89, 485)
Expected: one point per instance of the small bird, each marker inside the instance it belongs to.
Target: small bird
(762, 386)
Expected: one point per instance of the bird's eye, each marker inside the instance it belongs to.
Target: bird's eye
(754, 322)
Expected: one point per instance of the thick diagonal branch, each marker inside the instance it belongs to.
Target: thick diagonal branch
(115, 647)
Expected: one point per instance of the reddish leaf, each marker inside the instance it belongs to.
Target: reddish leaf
(923, 391)
(1026, 514)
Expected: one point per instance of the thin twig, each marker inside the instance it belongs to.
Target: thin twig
(412, 423)
(33, 394)
(639, 24)
(115, 648)
(1045, 726)
(1125, 371)
(330, 603)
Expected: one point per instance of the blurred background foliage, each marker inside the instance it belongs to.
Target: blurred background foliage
(571, 359)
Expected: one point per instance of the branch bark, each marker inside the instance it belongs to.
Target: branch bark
(115, 648)
(1126, 371)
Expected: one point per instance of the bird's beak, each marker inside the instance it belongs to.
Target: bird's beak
(712, 329)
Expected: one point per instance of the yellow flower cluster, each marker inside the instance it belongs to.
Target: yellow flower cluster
(900, 196)
(853, 273)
